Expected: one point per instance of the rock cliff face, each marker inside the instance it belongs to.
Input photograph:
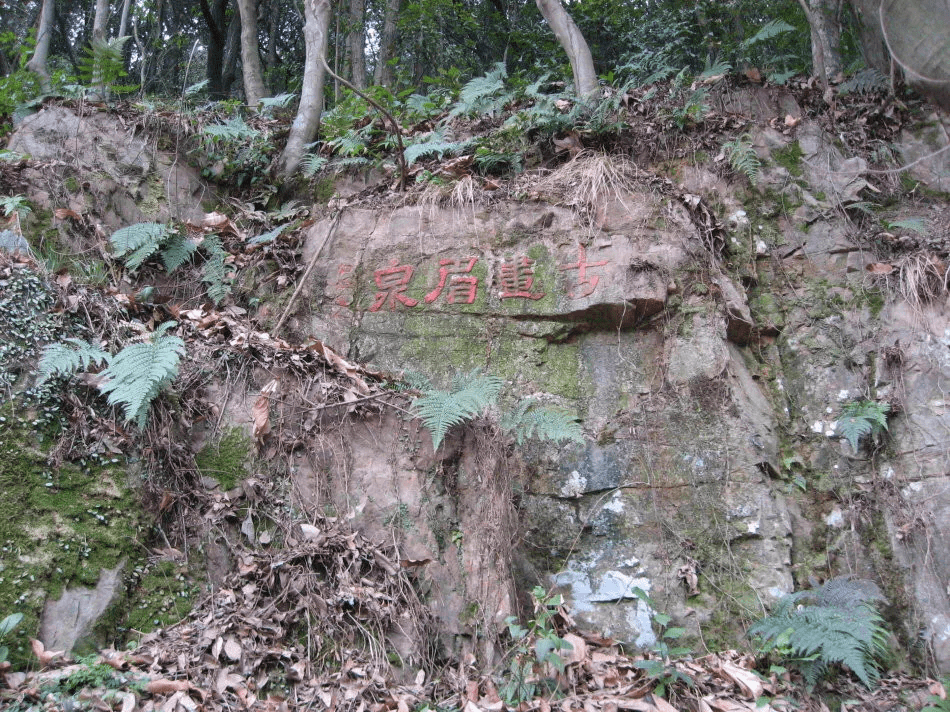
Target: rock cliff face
(708, 334)
(708, 382)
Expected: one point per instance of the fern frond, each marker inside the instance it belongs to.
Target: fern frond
(434, 144)
(742, 157)
(138, 373)
(176, 252)
(864, 82)
(136, 243)
(531, 420)
(769, 30)
(483, 95)
(234, 129)
(69, 357)
(850, 633)
(350, 162)
(269, 104)
(441, 410)
(862, 418)
(311, 164)
(918, 225)
(214, 270)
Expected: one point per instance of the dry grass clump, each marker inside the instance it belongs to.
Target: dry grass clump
(590, 179)
(921, 278)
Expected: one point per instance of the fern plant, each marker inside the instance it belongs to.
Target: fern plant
(69, 357)
(742, 157)
(132, 378)
(862, 418)
(136, 243)
(103, 65)
(836, 623)
(473, 394)
(138, 373)
(483, 95)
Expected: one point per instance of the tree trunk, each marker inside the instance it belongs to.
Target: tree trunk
(124, 21)
(100, 20)
(37, 63)
(573, 42)
(383, 72)
(828, 29)
(254, 89)
(217, 37)
(356, 43)
(316, 31)
(232, 52)
(272, 58)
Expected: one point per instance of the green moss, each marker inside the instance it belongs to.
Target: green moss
(153, 196)
(59, 527)
(163, 594)
(323, 190)
(790, 158)
(226, 459)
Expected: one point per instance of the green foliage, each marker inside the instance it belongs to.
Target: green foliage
(311, 164)
(138, 373)
(102, 65)
(136, 243)
(918, 225)
(536, 649)
(836, 623)
(862, 418)
(270, 105)
(742, 157)
(433, 144)
(936, 703)
(483, 95)
(66, 358)
(471, 395)
(214, 270)
(17, 204)
(769, 31)
(661, 669)
(529, 420)
(242, 151)
(6, 626)
(864, 82)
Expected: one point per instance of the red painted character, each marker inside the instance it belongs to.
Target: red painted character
(586, 284)
(392, 282)
(461, 289)
(343, 286)
(517, 279)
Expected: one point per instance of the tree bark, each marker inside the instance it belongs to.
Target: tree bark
(383, 72)
(304, 127)
(573, 42)
(38, 62)
(356, 43)
(232, 52)
(828, 28)
(272, 57)
(124, 20)
(99, 21)
(217, 37)
(254, 89)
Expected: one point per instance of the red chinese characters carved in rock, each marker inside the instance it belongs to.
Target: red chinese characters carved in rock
(461, 289)
(392, 282)
(342, 287)
(585, 284)
(517, 280)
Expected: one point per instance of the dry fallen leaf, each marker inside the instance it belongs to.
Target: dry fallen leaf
(879, 268)
(260, 412)
(163, 686)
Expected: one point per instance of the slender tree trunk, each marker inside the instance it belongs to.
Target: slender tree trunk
(573, 42)
(254, 89)
(217, 35)
(124, 20)
(44, 33)
(316, 31)
(272, 26)
(828, 29)
(100, 20)
(232, 52)
(383, 72)
(356, 43)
